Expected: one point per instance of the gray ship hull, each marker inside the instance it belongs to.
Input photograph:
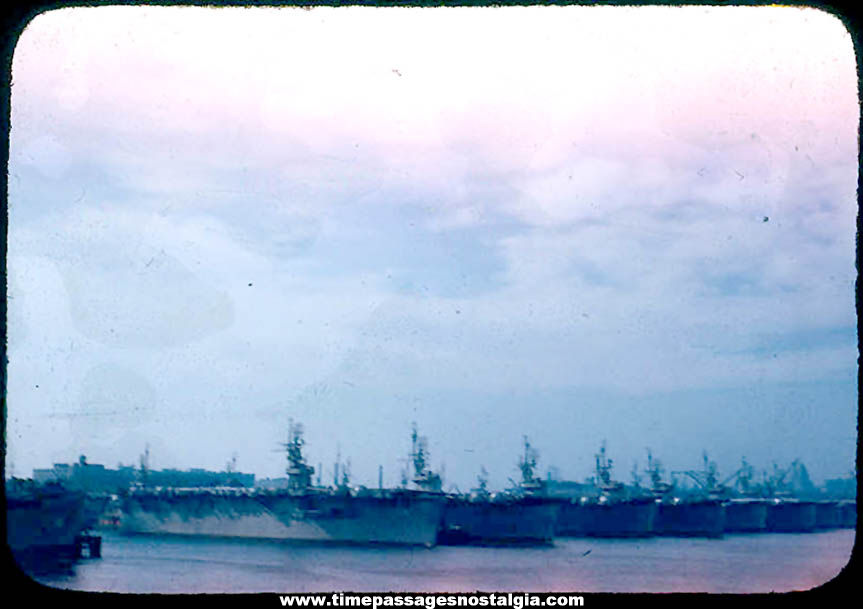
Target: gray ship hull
(745, 516)
(828, 515)
(574, 520)
(791, 516)
(633, 518)
(691, 519)
(398, 518)
(487, 522)
(45, 524)
(848, 514)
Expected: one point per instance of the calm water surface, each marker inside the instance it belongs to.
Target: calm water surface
(736, 563)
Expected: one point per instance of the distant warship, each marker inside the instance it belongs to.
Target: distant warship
(613, 513)
(747, 511)
(698, 515)
(786, 513)
(523, 515)
(419, 512)
(299, 512)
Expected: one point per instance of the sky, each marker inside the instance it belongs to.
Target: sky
(577, 224)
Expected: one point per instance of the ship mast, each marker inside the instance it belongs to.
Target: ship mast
(603, 472)
(744, 479)
(144, 466)
(776, 485)
(345, 481)
(482, 483)
(530, 483)
(299, 472)
(708, 478)
(424, 478)
(603, 467)
(654, 470)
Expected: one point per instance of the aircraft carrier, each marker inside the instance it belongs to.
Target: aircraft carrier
(300, 512)
(523, 515)
(532, 511)
(612, 513)
(699, 514)
(747, 511)
(786, 513)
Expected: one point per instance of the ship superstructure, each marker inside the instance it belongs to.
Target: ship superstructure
(530, 484)
(424, 478)
(785, 512)
(299, 472)
(745, 510)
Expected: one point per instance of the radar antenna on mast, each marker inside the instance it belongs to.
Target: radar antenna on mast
(299, 472)
(604, 466)
(144, 466)
(424, 478)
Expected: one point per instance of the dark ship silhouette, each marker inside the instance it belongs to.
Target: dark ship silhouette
(48, 522)
(523, 515)
(533, 511)
(611, 513)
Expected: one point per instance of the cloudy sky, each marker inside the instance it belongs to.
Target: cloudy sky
(579, 224)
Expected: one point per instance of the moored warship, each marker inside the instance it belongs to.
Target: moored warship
(521, 516)
(786, 513)
(747, 512)
(698, 515)
(43, 522)
(300, 512)
(610, 514)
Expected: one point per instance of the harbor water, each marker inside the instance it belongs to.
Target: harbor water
(741, 563)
